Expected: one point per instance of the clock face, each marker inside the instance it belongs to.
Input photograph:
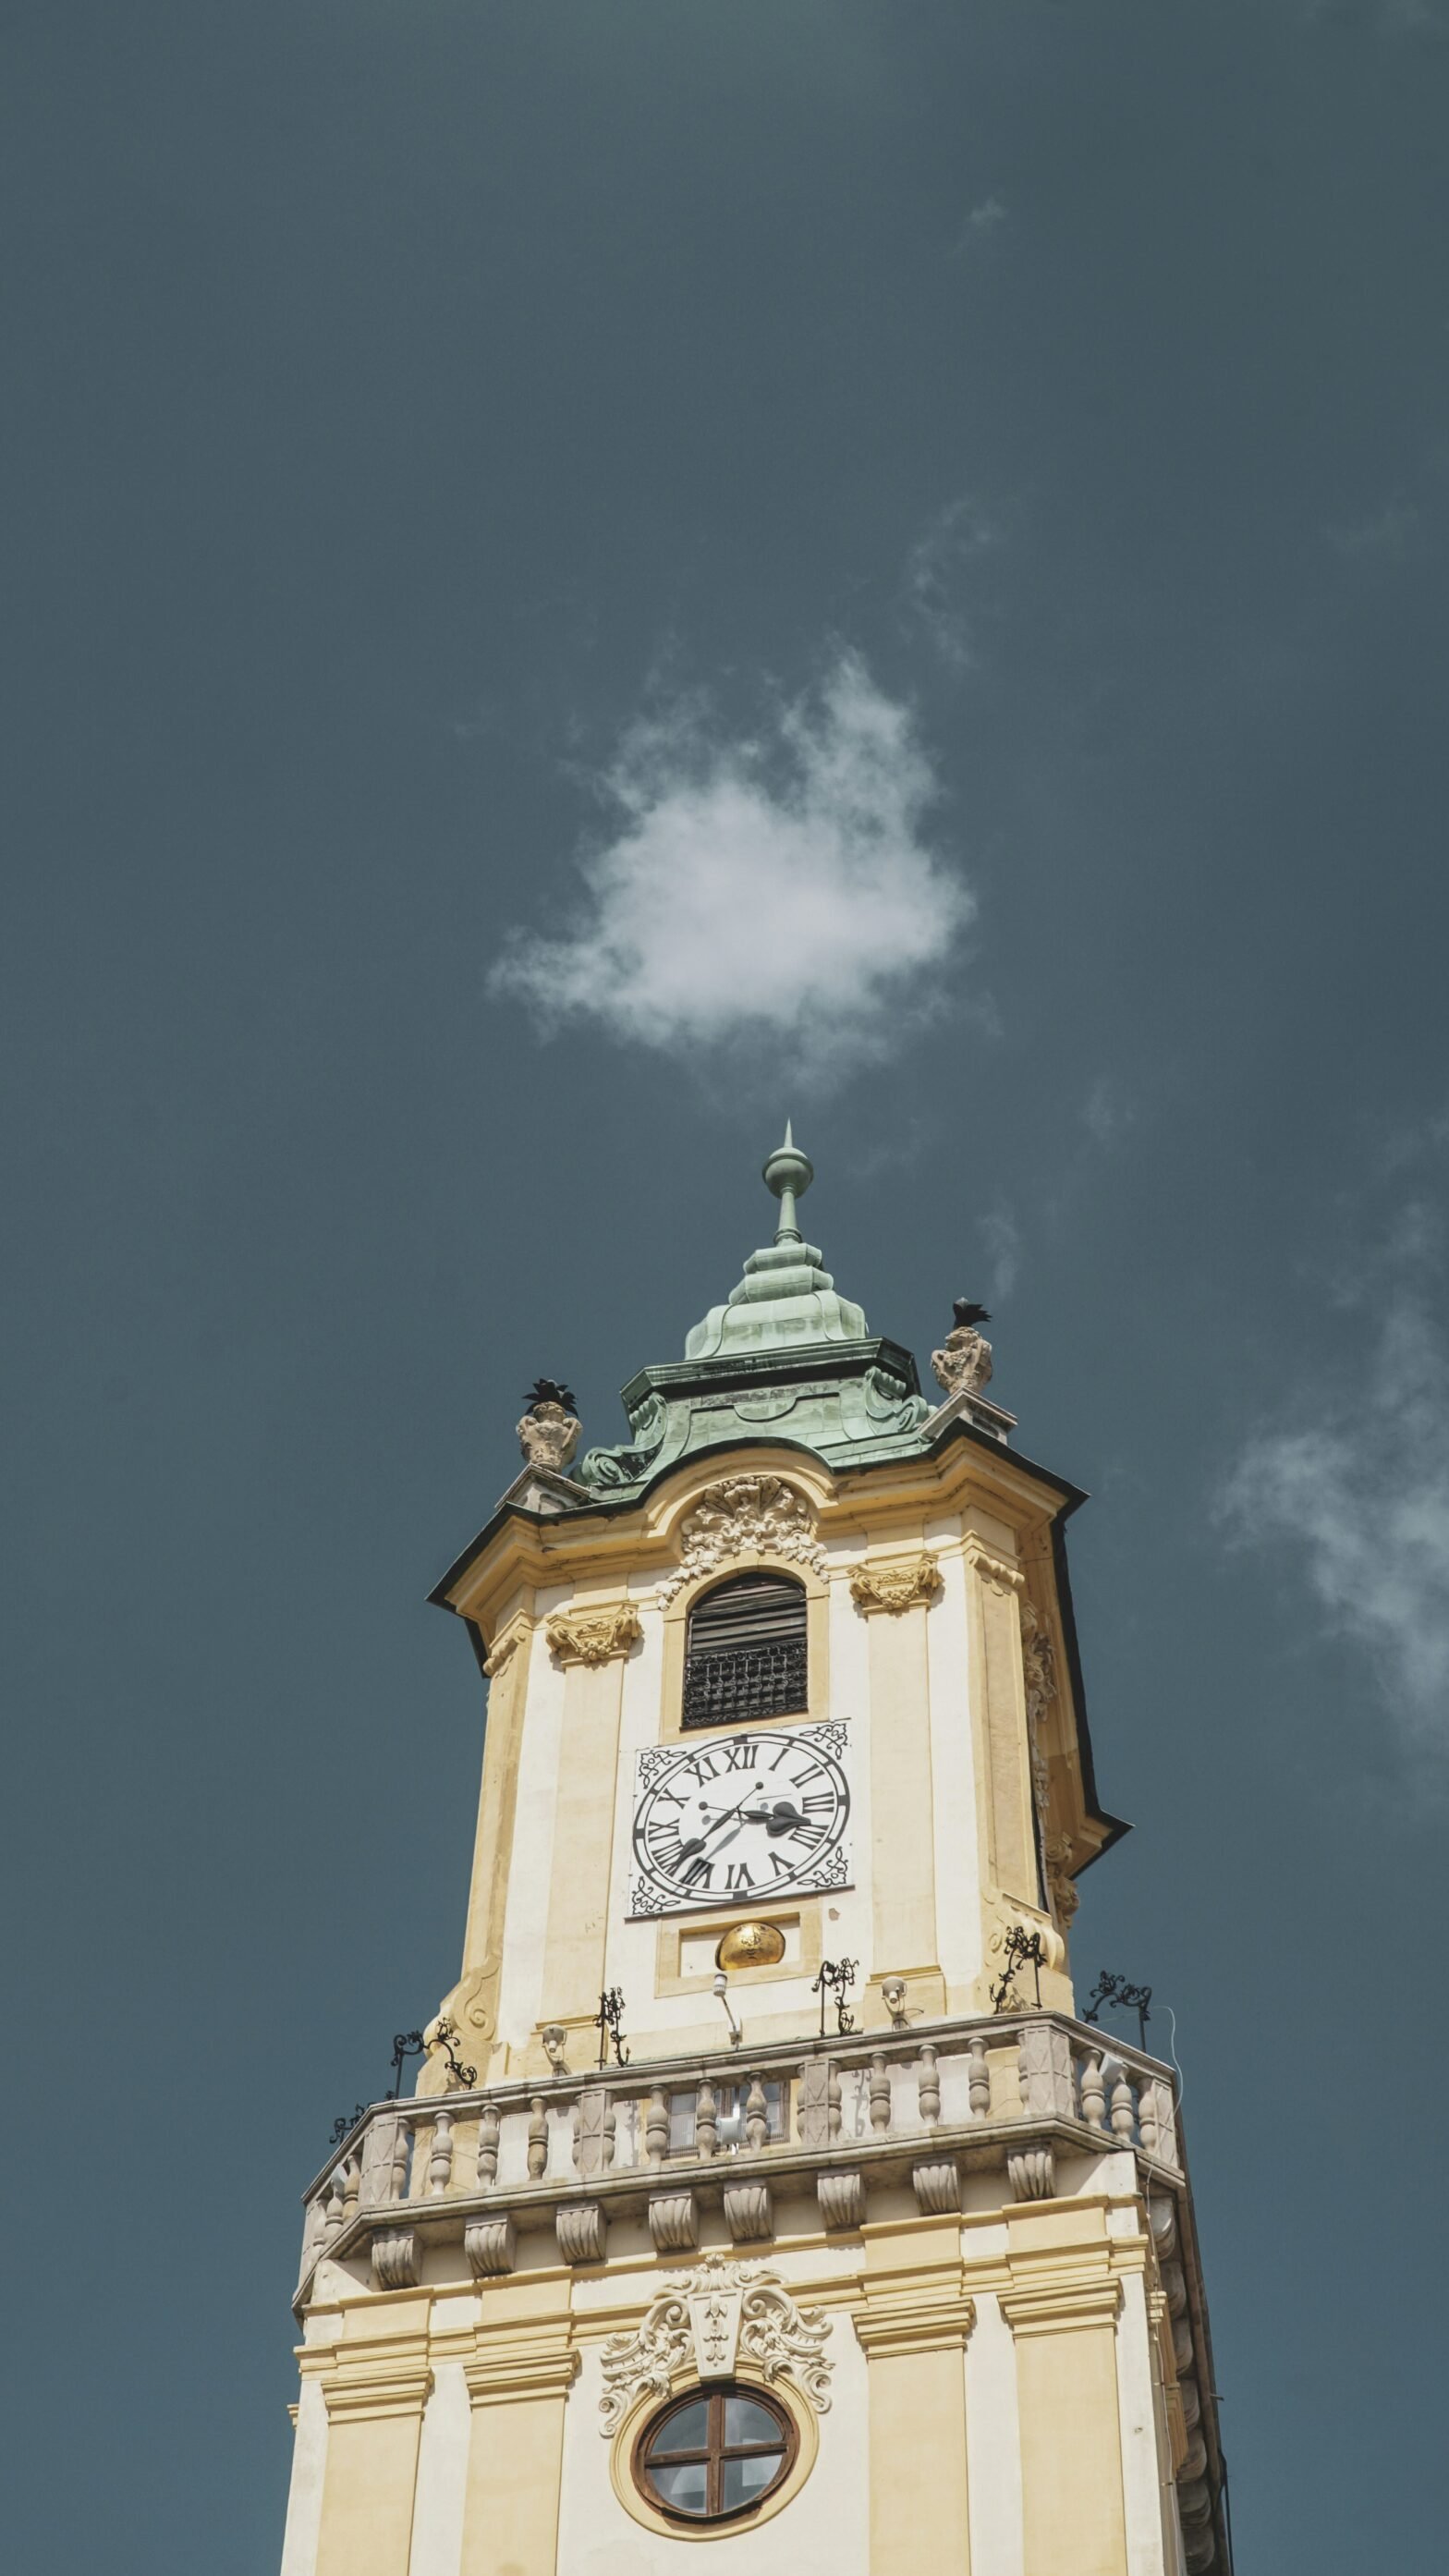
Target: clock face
(740, 1818)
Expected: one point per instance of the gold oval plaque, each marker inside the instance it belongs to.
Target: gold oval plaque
(751, 1945)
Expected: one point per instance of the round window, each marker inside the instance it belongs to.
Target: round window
(712, 2455)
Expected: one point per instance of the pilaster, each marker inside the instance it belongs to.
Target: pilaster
(912, 2324)
(374, 2393)
(1062, 2309)
(518, 2378)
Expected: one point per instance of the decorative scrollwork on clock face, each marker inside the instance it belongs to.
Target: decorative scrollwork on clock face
(740, 1819)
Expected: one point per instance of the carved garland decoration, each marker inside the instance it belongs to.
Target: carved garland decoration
(895, 1587)
(759, 1515)
(1039, 1669)
(709, 2316)
(593, 1636)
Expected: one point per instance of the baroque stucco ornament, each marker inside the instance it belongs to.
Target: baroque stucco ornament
(759, 1515)
(896, 1586)
(593, 1636)
(1039, 1672)
(709, 2317)
(548, 1435)
(963, 1363)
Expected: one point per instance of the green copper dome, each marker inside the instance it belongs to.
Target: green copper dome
(784, 1358)
(784, 1298)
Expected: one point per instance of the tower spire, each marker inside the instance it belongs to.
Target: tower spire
(787, 1175)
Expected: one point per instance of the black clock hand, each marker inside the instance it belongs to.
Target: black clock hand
(696, 1842)
(782, 1818)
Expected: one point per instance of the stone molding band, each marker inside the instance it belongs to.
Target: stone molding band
(1061, 2307)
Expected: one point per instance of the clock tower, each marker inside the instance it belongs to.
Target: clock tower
(763, 2186)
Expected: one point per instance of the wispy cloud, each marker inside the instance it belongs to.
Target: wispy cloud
(941, 570)
(1002, 1237)
(1352, 1489)
(982, 222)
(772, 890)
(1107, 1112)
(1386, 536)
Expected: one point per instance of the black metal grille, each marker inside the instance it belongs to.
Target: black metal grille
(753, 1681)
(746, 1655)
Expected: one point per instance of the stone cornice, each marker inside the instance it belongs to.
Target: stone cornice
(895, 1584)
(593, 1636)
(1060, 2307)
(928, 2322)
(521, 2361)
(376, 2389)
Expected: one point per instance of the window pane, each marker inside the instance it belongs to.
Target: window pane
(746, 2479)
(687, 2429)
(747, 2422)
(681, 2122)
(680, 2483)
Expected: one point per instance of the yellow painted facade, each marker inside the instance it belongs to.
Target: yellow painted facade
(954, 2239)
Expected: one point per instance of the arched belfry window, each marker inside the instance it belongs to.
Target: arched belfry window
(745, 1655)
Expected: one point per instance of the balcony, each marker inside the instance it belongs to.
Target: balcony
(661, 2141)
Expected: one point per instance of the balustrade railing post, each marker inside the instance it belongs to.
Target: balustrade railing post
(440, 2160)
(1124, 2109)
(757, 2118)
(656, 2126)
(336, 2204)
(880, 2093)
(928, 2086)
(488, 2127)
(401, 2150)
(1094, 2090)
(537, 2138)
(978, 2081)
(706, 2119)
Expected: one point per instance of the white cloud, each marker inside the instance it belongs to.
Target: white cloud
(1356, 1490)
(772, 892)
(939, 569)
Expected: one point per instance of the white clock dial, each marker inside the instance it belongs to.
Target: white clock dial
(740, 1819)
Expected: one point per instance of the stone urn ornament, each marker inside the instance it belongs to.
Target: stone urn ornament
(963, 1364)
(548, 1433)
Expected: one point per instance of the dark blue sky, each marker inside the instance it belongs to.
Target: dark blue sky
(811, 464)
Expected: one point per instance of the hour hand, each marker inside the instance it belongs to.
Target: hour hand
(779, 1819)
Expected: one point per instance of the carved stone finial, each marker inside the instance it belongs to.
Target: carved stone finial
(548, 1433)
(963, 1363)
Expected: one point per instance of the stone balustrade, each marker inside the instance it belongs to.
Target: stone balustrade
(838, 2117)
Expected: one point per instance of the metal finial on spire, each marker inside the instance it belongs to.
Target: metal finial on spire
(788, 1175)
